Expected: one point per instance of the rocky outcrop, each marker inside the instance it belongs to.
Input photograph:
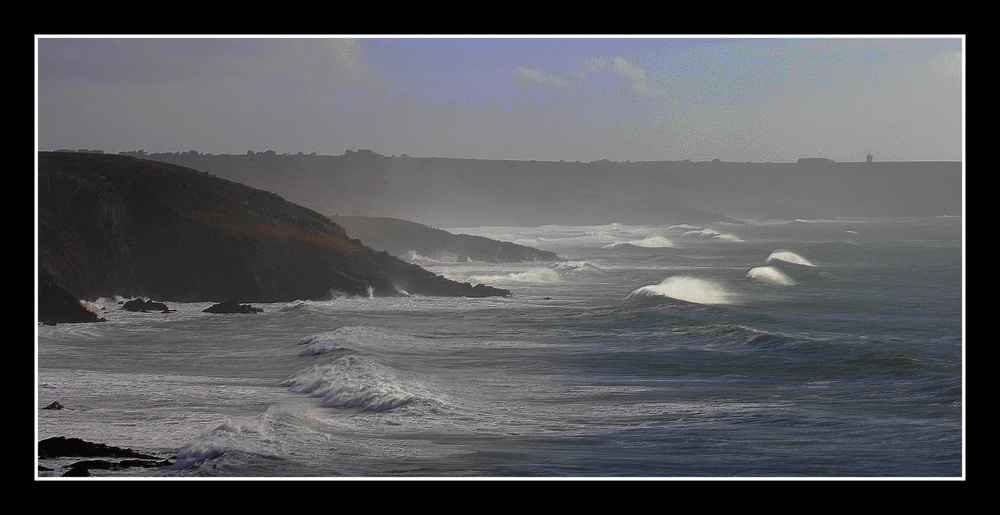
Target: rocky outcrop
(60, 446)
(401, 237)
(144, 305)
(118, 225)
(231, 306)
(83, 468)
(56, 305)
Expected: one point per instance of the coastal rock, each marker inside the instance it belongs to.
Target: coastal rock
(55, 405)
(231, 306)
(145, 305)
(59, 446)
(56, 305)
(83, 468)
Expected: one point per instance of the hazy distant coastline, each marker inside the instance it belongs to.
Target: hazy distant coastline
(469, 192)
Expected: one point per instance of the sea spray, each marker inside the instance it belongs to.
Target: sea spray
(532, 275)
(686, 288)
(788, 257)
(651, 242)
(770, 275)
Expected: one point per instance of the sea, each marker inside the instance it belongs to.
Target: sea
(767, 349)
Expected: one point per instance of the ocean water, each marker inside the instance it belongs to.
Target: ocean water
(829, 348)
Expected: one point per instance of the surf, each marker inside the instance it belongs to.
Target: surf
(770, 275)
(686, 288)
(788, 257)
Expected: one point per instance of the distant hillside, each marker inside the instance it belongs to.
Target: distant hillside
(120, 225)
(400, 237)
(468, 192)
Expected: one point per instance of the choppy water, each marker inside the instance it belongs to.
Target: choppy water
(802, 348)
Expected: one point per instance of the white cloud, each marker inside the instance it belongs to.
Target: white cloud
(628, 69)
(525, 76)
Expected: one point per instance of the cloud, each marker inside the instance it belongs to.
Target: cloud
(628, 69)
(632, 76)
(525, 76)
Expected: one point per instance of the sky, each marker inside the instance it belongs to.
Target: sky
(542, 98)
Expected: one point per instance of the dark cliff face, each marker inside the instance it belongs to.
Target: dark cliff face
(401, 236)
(118, 225)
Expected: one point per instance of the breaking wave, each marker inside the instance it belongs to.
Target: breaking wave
(769, 274)
(714, 234)
(652, 242)
(788, 257)
(576, 266)
(351, 382)
(702, 232)
(689, 289)
(533, 275)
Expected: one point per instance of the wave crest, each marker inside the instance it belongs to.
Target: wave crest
(532, 275)
(769, 274)
(788, 257)
(689, 289)
(351, 382)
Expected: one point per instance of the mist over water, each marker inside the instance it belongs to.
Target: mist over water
(795, 348)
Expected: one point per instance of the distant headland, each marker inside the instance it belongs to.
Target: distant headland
(468, 192)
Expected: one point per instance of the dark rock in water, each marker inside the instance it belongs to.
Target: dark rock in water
(145, 305)
(231, 306)
(77, 472)
(56, 305)
(58, 446)
(83, 468)
(55, 405)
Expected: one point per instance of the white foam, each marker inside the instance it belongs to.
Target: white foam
(788, 257)
(651, 242)
(209, 444)
(356, 337)
(690, 289)
(702, 232)
(351, 382)
(413, 257)
(532, 275)
(576, 266)
(769, 274)
(292, 306)
(198, 451)
(654, 242)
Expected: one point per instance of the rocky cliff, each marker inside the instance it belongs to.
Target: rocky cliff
(118, 225)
